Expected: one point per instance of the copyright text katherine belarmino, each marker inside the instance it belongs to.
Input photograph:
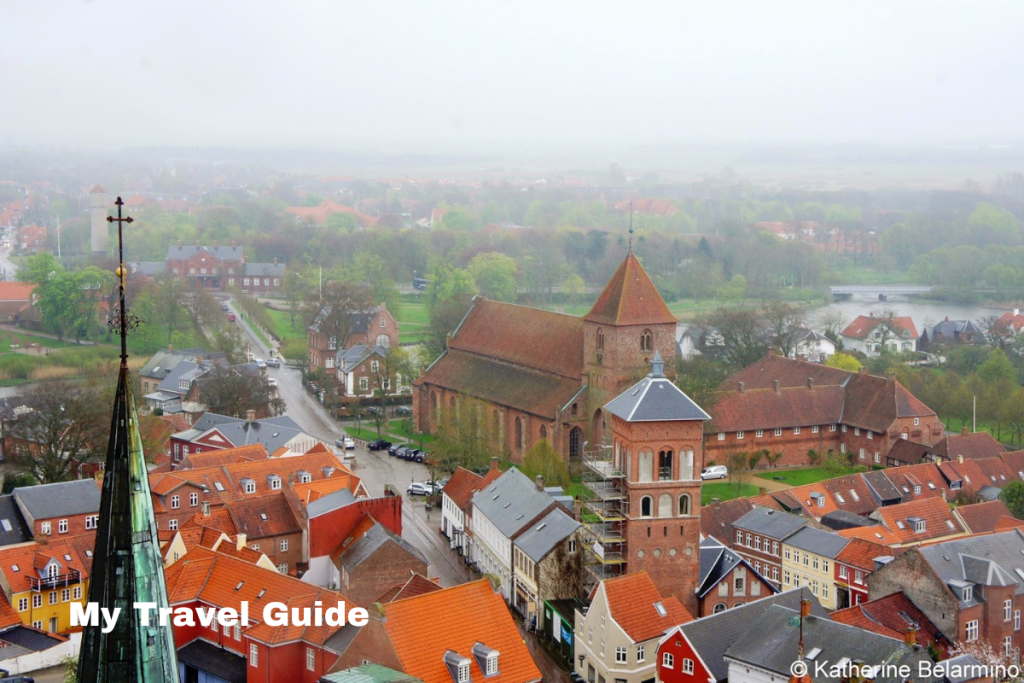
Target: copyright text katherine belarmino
(924, 669)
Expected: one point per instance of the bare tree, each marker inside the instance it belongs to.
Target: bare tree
(341, 310)
(234, 390)
(832, 323)
(742, 336)
(785, 326)
(57, 427)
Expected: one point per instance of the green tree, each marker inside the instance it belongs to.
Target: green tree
(1013, 495)
(542, 459)
(736, 289)
(495, 275)
(997, 366)
(573, 287)
(373, 272)
(39, 268)
(449, 297)
(1011, 413)
(341, 222)
(738, 464)
(843, 361)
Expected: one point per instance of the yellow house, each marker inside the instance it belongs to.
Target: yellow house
(809, 559)
(41, 580)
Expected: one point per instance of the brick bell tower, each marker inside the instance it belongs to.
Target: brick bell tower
(657, 437)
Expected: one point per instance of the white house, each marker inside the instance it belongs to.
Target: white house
(814, 346)
(869, 335)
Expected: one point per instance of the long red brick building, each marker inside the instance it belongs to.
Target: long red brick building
(793, 407)
(537, 374)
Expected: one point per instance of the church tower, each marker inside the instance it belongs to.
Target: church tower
(645, 511)
(99, 228)
(627, 325)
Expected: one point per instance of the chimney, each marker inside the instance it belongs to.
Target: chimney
(739, 387)
(206, 508)
(539, 481)
(910, 637)
(215, 244)
(771, 352)
(960, 459)
(890, 377)
(1016, 311)
(943, 492)
(762, 491)
(775, 384)
(805, 607)
(810, 383)
(239, 541)
(291, 477)
(170, 347)
(233, 244)
(863, 370)
(494, 463)
(715, 500)
(197, 244)
(250, 416)
(199, 360)
(963, 431)
(275, 261)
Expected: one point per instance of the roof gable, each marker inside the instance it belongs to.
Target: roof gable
(635, 604)
(630, 298)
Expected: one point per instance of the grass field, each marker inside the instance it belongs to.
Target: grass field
(412, 321)
(808, 475)
(724, 490)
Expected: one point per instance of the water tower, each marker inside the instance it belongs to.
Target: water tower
(100, 227)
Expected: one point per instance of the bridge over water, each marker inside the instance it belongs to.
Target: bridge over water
(882, 291)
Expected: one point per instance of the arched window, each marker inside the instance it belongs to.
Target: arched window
(574, 410)
(646, 466)
(645, 341)
(519, 432)
(53, 570)
(575, 442)
(600, 339)
(720, 607)
(686, 465)
(543, 432)
(383, 340)
(645, 506)
(664, 465)
(664, 505)
(684, 504)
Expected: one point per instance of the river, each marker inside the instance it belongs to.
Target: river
(925, 314)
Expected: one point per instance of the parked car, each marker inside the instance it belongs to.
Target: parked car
(715, 472)
(410, 454)
(373, 410)
(273, 362)
(272, 382)
(393, 448)
(231, 317)
(378, 445)
(224, 306)
(400, 453)
(420, 456)
(340, 442)
(350, 443)
(403, 411)
(260, 363)
(419, 489)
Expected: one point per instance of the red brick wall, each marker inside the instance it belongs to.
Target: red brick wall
(327, 531)
(76, 525)
(388, 567)
(623, 361)
(708, 602)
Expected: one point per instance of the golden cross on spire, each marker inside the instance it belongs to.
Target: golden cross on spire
(120, 319)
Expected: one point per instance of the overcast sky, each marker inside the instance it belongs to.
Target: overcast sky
(426, 74)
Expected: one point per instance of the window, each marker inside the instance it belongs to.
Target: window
(65, 595)
(62, 526)
(861, 454)
(53, 598)
(37, 600)
(284, 545)
(44, 528)
(620, 655)
(645, 341)
(364, 383)
(282, 568)
(844, 429)
(968, 593)
(91, 521)
(1016, 620)
(971, 631)
(738, 585)
(572, 545)
(759, 433)
(739, 435)
(750, 540)
(918, 525)
(645, 506)
(775, 548)
(238, 632)
(785, 552)
(464, 673)
(878, 457)
(38, 625)
(76, 594)
(668, 661)
(796, 430)
(684, 504)
(374, 366)
(824, 591)
(871, 435)
(519, 432)
(172, 525)
(175, 502)
(856, 431)
(600, 339)
(917, 421)
(665, 465)
(721, 436)
(815, 563)
(310, 659)
(842, 572)
(858, 577)
(275, 484)
(757, 542)
(739, 538)
(807, 557)
(1007, 610)
(775, 574)
(254, 651)
(492, 664)
(778, 432)
(814, 429)
(720, 607)
(842, 448)
(831, 428)
(193, 499)
(640, 653)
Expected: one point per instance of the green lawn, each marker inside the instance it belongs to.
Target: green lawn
(412, 322)
(283, 327)
(724, 490)
(808, 475)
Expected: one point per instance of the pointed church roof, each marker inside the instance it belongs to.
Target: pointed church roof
(655, 399)
(630, 298)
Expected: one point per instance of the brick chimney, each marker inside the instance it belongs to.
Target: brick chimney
(739, 387)
(963, 431)
(810, 383)
(250, 416)
(890, 377)
(910, 636)
(494, 463)
(805, 607)
(775, 385)
(863, 370)
(539, 480)
(762, 491)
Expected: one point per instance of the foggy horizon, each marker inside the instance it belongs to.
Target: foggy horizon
(406, 77)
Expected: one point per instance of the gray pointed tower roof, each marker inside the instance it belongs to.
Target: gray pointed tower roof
(655, 398)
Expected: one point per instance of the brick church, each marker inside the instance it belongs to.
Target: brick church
(537, 374)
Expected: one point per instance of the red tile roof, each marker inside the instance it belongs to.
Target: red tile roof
(8, 616)
(320, 212)
(861, 553)
(632, 604)
(227, 456)
(470, 613)
(750, 410)
(264, 517)
(863, 325)
(463, 484)
(970, 446)
(35, 556)
(630, 298)
(891, 616)
(789, 373)
(219, 520)
(528, 337)
(416, 585)
(982, 517)
(1012, 318)
(16, 291)
(896, 529)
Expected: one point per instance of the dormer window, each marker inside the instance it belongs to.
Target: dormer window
(486, 659)
(464, 673)
(183, 384)
(248, 486)
(304, 477)
(918, 524)
(968, 593)
(275, 482)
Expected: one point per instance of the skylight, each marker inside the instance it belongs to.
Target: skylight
(931, 486)
(88, 553)
(854, 494)
(217, 485)
(813, 653)
(661, 609)
(14, 568)
(839, 497)
(542, 525)
(900, 524)
(263, 591)
(239, 586)
(6, 524)
(263, 516)
(67, 558)
(950, 524)
(905, 489)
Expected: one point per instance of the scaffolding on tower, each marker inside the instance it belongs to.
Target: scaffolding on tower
(603, 514)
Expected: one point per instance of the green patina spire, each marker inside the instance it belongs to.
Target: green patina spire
(127, 566)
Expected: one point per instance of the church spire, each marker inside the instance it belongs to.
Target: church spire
(127, 566)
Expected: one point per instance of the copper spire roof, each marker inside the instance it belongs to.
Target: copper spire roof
(630, 298)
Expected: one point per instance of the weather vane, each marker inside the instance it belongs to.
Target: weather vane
(121, 320)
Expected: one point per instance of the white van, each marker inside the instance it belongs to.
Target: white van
(715, 472)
